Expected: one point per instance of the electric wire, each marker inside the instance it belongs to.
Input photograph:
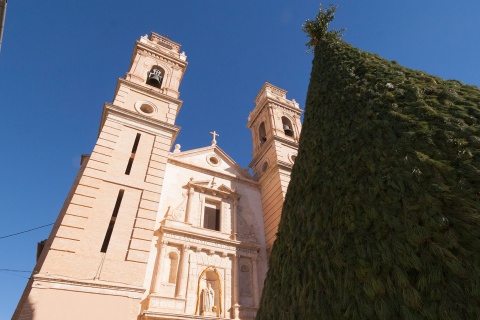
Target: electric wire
(13, 270)
(14, 234)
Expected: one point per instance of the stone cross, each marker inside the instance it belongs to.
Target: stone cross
(214, 141)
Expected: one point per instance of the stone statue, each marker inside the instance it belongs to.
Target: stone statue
(208, 298)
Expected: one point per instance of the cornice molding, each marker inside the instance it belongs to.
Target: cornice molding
(136, 117)
(212, 172)
(172, 57)
(97, 284)
(275, 169)
(148, 91)
(269, 102)
(216, 192)
(207, 240)
(268, 144)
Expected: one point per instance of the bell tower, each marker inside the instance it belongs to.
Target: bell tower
(275, 125)
(98, 249)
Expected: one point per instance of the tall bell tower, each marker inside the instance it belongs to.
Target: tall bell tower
(275, 125)
(97, 252)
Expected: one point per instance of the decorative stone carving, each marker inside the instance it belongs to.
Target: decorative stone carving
(179, 211)
(246, 232)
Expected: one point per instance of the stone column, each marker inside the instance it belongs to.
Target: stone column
(235, 275)
(235, 211)
(188, 209)
(255, 282)
(183, 273)
(158, 276)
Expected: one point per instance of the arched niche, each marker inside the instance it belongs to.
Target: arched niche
(209, 277)
(262, 134)
(287, 127)
(155, 76)
(172, 272)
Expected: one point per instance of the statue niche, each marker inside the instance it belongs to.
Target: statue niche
(209, 301)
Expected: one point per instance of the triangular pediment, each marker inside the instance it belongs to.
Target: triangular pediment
(210, 158)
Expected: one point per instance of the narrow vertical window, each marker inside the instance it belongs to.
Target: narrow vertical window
(132, 155)
(108, 235)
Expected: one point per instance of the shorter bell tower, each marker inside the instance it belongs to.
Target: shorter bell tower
(275, 125)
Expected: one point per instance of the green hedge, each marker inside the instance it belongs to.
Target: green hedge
(382, 216)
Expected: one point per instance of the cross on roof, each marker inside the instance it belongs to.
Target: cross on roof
(214, 141)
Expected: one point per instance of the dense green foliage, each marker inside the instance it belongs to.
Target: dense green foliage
(382, 215)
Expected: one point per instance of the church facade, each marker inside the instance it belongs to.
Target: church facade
(146, 233)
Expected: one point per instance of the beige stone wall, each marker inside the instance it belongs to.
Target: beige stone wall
(74, 248)
(82, 230)
(74, 304)
(239, 243)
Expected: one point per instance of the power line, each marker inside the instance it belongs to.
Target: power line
(13, 270)
(14, 234)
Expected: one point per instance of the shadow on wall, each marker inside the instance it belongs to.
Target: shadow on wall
(27, 313)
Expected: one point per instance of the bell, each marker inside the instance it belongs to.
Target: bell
(288, 131)
(155, 78)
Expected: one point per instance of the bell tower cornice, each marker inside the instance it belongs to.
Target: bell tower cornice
(156, 94)
(162, 46)
(272, 96)
(274, 120)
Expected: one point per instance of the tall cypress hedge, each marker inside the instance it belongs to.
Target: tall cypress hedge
(382, 216)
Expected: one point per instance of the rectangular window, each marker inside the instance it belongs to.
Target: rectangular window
(108, 235)
(211, 217)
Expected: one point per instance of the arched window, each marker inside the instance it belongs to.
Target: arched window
(173, 259)
(287, 127)
(155, 77)
(262, 133)
(265, 166)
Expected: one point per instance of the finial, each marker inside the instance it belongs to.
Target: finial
(177, 148)
(214, 141)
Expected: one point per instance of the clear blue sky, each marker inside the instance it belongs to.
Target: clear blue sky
(60, 61)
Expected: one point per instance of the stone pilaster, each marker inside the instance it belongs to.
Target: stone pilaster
(256, 297)
(158, 272)
(183, 273)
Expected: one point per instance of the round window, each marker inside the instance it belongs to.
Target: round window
(146, 108)
(213, 160)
